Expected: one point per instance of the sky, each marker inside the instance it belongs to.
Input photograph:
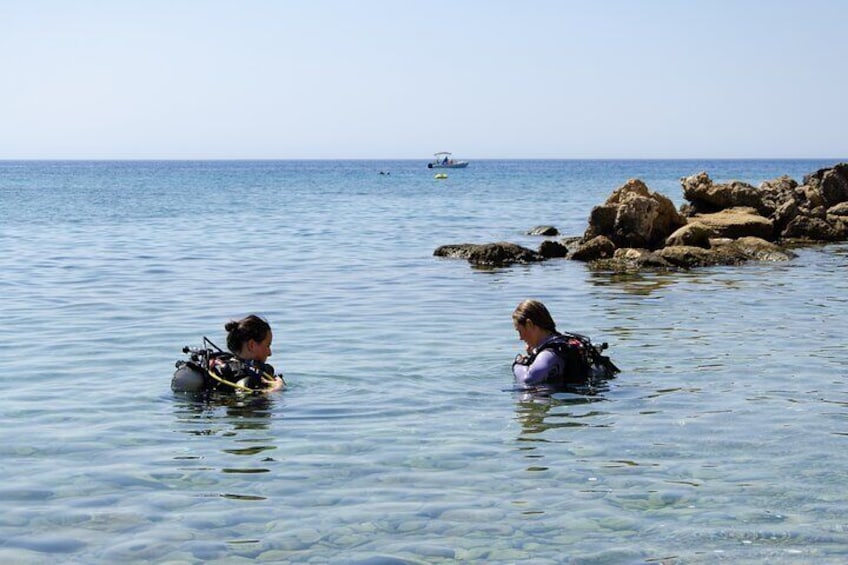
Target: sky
(402, 79)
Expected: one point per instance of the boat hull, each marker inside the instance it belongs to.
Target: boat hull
(457, 165)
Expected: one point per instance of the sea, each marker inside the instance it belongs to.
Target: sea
(400, 438)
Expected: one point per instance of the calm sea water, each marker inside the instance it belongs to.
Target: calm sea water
(723, 440)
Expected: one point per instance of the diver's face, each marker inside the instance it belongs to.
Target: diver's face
(258, 350)
(523, 330)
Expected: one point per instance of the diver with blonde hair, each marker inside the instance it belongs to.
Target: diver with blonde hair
(554, 359)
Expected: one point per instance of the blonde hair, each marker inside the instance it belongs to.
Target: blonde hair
(536, 312)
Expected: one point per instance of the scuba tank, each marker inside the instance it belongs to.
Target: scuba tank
(210, 368)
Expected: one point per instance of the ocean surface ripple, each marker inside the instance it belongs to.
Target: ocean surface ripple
(399, 440)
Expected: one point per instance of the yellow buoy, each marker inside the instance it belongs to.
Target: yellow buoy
(440, 176)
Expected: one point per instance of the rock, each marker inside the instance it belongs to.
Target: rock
(783, 214)
(758, 249)
(601, 220)
(831, 183)
(706, 197)
(738, 222)
(779, 193)
(640, 258)
(456, 251)
(687, 256)
(543, 230)
(501, 254)
(630, 259)
(631, 254)
(840, 209)
(599, 247)
(813, 228)
(811, 197)
(694, 234)
(780, 185)
(552, 249)
(723, 251)
(489, 254)
(840, 226)
(633, 216)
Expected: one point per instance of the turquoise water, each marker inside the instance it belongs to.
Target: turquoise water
(398, 441)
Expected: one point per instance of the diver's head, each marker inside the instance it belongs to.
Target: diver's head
(533, 322)
(249, 338)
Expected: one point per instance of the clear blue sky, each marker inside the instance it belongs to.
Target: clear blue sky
(180, 79)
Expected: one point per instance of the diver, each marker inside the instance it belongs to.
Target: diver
(554, 359)
(244, 368)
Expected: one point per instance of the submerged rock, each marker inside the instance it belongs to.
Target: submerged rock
(544, 230)
(489, 254)
(456, 250)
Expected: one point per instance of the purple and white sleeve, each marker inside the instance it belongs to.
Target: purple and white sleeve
(545, 366)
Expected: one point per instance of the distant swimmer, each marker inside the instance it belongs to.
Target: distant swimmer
(244, 368)
(554, 359)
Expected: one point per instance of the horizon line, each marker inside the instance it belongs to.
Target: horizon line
(272, 159)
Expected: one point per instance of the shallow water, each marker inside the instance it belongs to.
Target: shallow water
(398, 440)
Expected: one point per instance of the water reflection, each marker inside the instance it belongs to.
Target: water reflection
(641, 283)
(539, 412)
(243, 412)
(237, 420)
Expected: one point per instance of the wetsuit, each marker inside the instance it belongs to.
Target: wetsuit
(545, 366)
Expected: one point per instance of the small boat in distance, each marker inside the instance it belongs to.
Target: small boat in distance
(444, 160)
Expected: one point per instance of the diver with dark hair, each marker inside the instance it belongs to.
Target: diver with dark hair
(244, 368)
(554, 359)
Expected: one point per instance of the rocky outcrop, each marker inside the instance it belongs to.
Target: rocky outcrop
(730, 223)
(807, 212)
(633, 216)
(721, 224)
(489, 254)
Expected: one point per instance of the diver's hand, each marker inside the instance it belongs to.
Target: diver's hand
(273, 383)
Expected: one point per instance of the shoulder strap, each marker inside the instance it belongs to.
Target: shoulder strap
(580, 355)
(574, 350)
